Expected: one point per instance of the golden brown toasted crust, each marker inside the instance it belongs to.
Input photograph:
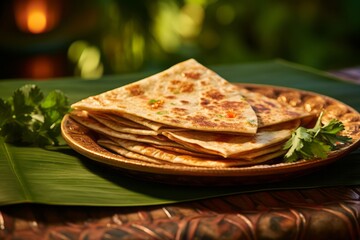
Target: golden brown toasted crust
(100, 128)
(189, 115)
(228, 145)
(270, 112)
(188, 160)
(187, 95)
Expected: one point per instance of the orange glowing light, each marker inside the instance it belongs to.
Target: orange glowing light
(36, 21)
(41, 67)
(36, 16)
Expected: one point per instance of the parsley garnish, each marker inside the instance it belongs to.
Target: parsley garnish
(315, 142)
(30, 118)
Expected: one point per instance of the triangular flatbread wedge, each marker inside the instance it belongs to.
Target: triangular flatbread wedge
(83, 119)
(226, 145)
(142, 121)
(250, 156)
(187, 95)
(230, 145)
(185, 151)
(116, 126)
(126, 153)
(189, 115)
(182, 159)
(269, 111)
(122, 120)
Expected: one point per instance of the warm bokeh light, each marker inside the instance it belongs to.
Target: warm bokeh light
(36, 16)
(36, 21)
(99, 37)
(40, 67)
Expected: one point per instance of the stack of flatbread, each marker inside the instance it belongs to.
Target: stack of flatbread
(189, 115)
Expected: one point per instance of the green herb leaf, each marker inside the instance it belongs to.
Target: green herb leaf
(29, 118)
(315, 142)
(5, 111)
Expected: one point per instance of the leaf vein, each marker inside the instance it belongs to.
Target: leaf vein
(13, 168)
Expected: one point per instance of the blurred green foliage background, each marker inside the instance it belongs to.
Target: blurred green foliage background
(324, 34)
(126, 36)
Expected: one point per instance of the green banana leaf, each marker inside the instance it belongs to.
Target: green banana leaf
(59, 175)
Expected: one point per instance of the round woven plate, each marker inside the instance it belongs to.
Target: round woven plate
(83, 141)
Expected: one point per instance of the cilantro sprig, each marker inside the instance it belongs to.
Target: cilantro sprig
(29, 117)
(315, 142)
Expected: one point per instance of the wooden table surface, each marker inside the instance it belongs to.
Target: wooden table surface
(319, 213)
